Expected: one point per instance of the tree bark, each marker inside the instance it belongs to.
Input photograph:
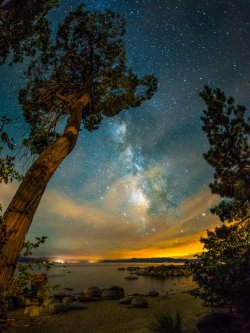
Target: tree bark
(20, 212)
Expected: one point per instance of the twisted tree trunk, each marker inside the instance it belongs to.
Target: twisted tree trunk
(21, 210)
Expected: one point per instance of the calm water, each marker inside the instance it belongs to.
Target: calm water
(105, 275)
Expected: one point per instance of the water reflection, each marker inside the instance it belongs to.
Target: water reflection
(104, 275)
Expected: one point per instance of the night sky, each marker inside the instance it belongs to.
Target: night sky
(138, 187)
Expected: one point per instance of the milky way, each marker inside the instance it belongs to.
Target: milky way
(139, 185)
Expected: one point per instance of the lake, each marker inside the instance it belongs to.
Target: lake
(104, 275)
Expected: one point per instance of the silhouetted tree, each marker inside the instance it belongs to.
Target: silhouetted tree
(78, 80)
(24, 28)
(223, 269)
(228, 133)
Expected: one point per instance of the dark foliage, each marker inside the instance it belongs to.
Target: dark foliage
(88, 57)
(24, 28)
(7, 169)
(228, 132)
(223, 269)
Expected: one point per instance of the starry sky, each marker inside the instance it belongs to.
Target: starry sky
(138, 187)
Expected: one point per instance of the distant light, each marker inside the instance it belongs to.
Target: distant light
(59, 261)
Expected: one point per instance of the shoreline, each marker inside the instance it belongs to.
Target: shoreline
(111, 317)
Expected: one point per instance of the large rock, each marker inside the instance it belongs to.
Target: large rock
(125, 300)
(77, 306)
(113, 292)
(92, 292)
(153, 293)
(139, 302)
(68, 300)
(87, 299)
(215, 323)
(58, 308)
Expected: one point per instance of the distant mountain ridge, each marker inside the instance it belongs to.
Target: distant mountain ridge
(148, 260)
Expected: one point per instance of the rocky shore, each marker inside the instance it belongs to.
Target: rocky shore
(128, 314)
(63, 302)
(161, 271)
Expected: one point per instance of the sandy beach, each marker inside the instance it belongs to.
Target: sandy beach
(112, 317)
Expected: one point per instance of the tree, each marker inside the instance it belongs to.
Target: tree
(7, 174)
(80, 79)
(24, 28)
(228, 133)
(223, 269)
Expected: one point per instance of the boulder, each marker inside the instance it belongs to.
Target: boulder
(68, 300)
(113, 292)
(214, 322)
(58, 308)
(77, 306)
(153, 293)
(125, 300)
(139, 302)
(92, 292)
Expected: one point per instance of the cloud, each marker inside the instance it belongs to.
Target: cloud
(120, 226)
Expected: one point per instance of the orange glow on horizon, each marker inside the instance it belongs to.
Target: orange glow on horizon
(185, 247)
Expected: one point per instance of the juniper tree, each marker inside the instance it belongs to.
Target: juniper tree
(78, 80)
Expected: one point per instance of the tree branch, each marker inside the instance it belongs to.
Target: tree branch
(64, 98)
